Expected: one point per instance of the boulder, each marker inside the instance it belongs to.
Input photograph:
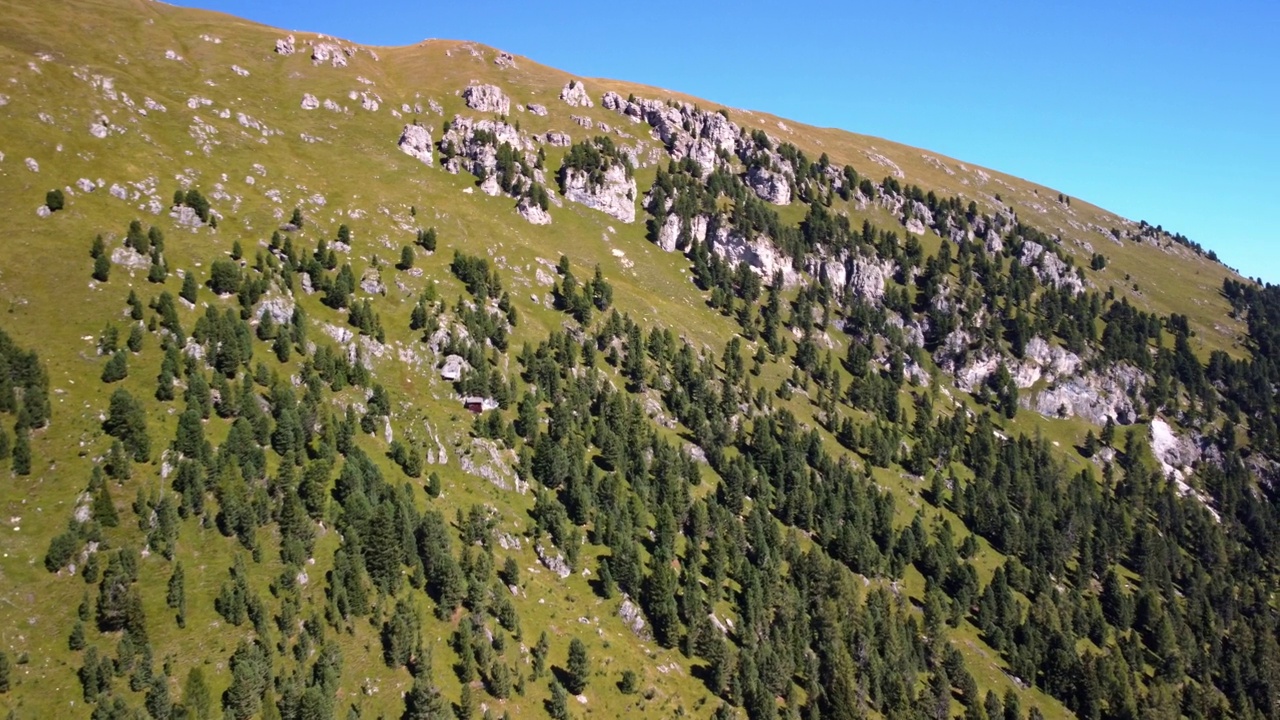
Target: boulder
(533, 212)
(371, 282)
(575, 94)
(614, 195)
(505, 60)
(284, 45)
(487, 98)
(415, 141)
(539, 110)
(769, 186)
(555, 138)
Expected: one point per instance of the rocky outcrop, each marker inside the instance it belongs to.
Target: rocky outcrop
(614, 194)
(685, 130)
(575, 94)
(505, 60)
(674, 229)
(769, 186)
(533, 212)
(1049, 268)
(473, 144)
(1094, 397)
(487, 98)
(1176, 454)
(759, 253)
(536, 109)
(284, 45)
(415, 141)
(866, 278)
(555, 138)
(310, 102)
(327, 52)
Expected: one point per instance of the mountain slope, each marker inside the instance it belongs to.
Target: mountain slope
(825, 393)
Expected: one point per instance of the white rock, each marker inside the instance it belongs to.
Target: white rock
(32, 165)
(614, 195)
(533, 212)
(415, 141)
(284, 46)
(575, 94)
(487, 98)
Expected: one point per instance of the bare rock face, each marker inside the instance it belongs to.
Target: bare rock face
(769, 186)
(284, 46)
(760, 254)
(415, 141)
(533, 212)
(310, 102)
(866, 278)
(575, 94)
(673, 228)
(505, 60)
(1176, 454)
(615, 195)
(1094, 397)
(487, 98)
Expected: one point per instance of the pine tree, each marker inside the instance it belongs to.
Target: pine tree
(406, 258)
(196, 701)
(21, 464)
(578, 670)
(101, 267)
(5, 671)
(116, 369)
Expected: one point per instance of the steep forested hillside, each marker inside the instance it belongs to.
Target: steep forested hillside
(429, 382)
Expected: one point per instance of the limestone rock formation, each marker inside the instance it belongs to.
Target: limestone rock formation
(310, 102)
(575, 94)
(533, 212)
(614, 195)
(487, 98)
(759, 253)
(284, 45)
(415, 141)
(769, 186)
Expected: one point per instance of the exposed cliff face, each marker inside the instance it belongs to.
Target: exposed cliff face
(759, 253)
(770, 186)
(614, 195)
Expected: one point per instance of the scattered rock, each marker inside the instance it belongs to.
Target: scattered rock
(32, 165)
(505, 60)
(332, 53)
(539, 110)
(284, 46)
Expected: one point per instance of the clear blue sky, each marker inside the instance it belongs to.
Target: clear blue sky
(1163, 111)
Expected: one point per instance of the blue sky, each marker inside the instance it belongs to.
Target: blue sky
(1163, 111)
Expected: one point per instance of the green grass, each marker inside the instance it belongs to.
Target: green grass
(50, 304)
